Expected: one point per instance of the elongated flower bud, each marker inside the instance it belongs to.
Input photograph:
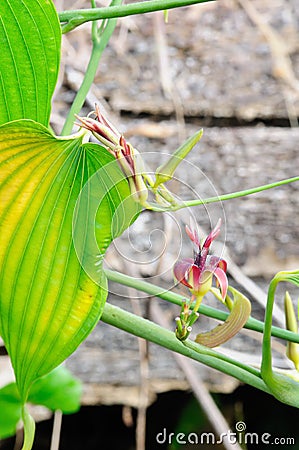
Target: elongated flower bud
(126, 155)
(291, 325)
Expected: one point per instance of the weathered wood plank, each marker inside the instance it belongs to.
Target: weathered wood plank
(219, 63)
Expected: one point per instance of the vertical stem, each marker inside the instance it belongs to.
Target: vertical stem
(56, 430)
(266, 367)
(198, 302)
(29, 429)
(99, 45)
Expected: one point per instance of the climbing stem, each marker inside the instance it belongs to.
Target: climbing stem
(238, 194)
(100, 39)
(75, 18)
(152, 332)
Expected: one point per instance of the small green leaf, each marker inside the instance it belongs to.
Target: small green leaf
(30, 38)
(59, 390)
(49, 303)
(166, 171)
(10, 410)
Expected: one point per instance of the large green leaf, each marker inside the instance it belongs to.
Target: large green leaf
(48, 302)
(30, 37)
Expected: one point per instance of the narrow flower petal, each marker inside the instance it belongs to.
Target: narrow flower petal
(192, 233)
(222, 281)
(207, 243)
(181, 271)
(195, 278)
(212, 236)
(223, 265)
(102, 119)
(212, 262)
(100, 131)
(127, 154)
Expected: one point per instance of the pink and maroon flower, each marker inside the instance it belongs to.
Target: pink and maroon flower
(126, 155)
(197, 274)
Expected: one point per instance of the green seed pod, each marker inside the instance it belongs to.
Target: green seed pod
(292, 325)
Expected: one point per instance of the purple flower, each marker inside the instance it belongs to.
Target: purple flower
(197, 274)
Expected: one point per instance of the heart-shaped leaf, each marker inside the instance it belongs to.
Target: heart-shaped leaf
(58, 390)
(49, 303)
(30, 37)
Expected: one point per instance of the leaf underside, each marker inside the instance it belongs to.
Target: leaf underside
(48, 302)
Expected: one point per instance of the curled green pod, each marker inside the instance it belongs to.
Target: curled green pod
(240, 312)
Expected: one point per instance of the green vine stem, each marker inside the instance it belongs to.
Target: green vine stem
(267, 354)
(29, 429)
(233, 195)
(199, 348)
(172, 297)
(281, 384)
(75, 18)
(292, 277)
(152, 332)
(99, 43)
